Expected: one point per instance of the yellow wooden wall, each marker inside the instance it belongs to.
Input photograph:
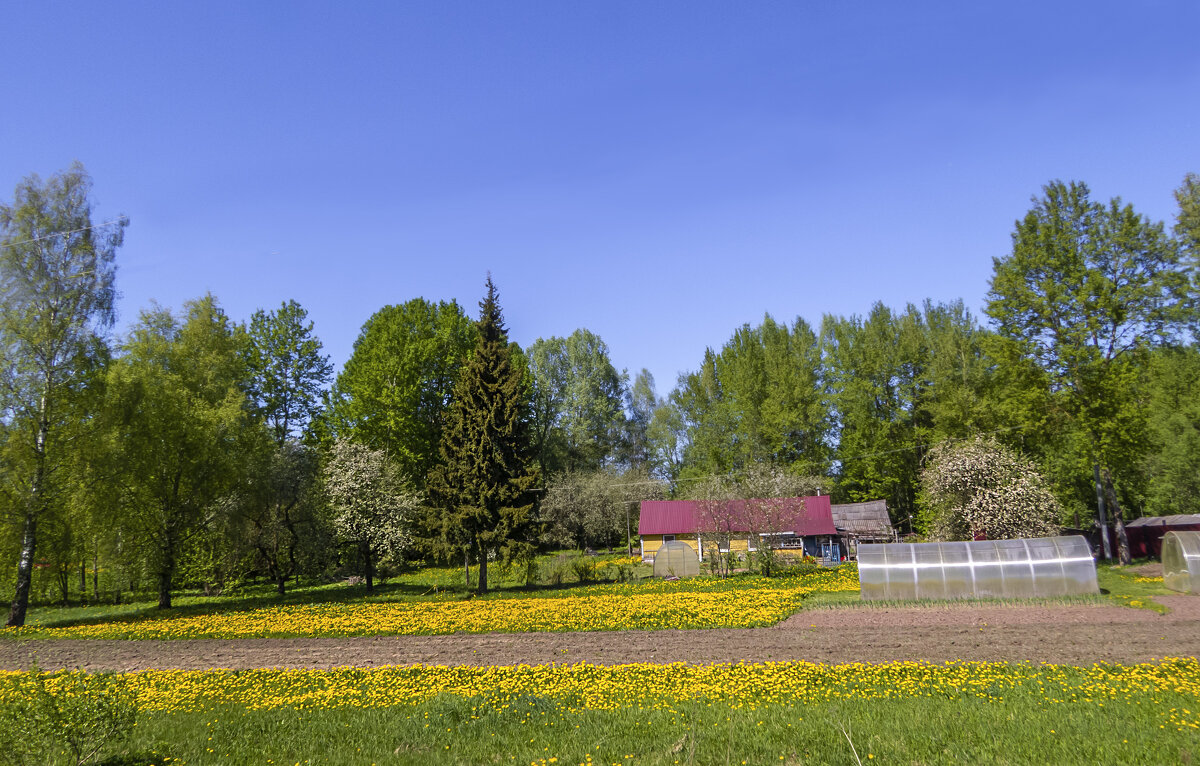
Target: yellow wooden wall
(651, 544)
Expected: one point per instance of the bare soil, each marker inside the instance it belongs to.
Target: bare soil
(1077, 635)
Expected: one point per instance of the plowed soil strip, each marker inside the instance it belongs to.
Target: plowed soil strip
(1075, 635)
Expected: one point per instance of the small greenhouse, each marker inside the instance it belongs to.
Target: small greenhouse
(1181, 561)
(1032, 568)
(676, 559)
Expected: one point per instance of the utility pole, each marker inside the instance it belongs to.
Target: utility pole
(628, 538)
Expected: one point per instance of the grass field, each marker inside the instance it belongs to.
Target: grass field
(427, 603)
(436, 601)
(791, 712)
(653, 714)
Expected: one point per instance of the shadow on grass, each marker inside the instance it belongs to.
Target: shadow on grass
(258, 597)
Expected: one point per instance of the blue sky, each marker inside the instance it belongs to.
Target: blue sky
(659, 173)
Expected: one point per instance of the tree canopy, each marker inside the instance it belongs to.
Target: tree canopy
(396, 386)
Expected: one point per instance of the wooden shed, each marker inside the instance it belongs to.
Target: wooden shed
(866, 522)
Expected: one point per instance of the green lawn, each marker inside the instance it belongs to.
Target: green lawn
(1119, 585)
(535, 731)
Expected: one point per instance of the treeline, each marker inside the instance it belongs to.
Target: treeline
(200, 451)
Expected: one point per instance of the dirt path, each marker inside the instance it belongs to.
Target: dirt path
(1068, 634)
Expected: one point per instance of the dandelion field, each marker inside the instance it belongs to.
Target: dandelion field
(664, 714)
(741, 602)
(639, 713)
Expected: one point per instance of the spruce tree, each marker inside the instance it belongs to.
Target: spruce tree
(481, 489)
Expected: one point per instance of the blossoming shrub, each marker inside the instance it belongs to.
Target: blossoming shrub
(981, 488)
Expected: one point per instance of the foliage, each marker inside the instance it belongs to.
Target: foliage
(278, 514)
(287, 371)
(592, 509)
(394, 391)
(74, 716)
(176, 384)
(373, 505)
(898, 380)
(1172, 465)
(1187, 225)
(979, 488)
(641, 402)
(758, 400)
(578, 415)
(481, 489)
(1085, 291)
(56, 300)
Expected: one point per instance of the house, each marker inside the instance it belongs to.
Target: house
(867, 522)
(803, 525)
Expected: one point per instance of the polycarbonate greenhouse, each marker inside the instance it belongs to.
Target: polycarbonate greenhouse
(1181, 561)
(677, 559)
(1033, 568)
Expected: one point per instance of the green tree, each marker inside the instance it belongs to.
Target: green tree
(666, 437)
(597, 509)
(641, 401)
(1087, 288)
(759, 399)
(277, 510)
(578, 402)
(1172, 465)
(1187, 224)
(179, 423)
(481, 489)
(288, 372)
(874, 369)
(56, 300)
(394, 390)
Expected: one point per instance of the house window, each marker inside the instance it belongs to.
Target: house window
(668, 538)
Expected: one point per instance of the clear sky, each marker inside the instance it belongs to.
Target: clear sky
(658, 172)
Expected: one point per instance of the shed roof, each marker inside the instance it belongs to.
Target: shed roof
(805, 516)
(1178, 520)
(868, 517)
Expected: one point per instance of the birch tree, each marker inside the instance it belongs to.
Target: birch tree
(56, 300)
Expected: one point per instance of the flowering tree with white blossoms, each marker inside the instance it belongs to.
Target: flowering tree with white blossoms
(373, 506)
(982, 489)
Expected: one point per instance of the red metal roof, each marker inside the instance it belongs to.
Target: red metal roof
(806, 516)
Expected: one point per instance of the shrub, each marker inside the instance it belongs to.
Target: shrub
(68, 717)
(981, 488)
(584, 568)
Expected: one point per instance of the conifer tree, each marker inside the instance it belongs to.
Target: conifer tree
(481, 489)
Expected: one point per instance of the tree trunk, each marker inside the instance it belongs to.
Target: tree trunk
(16, 615)
(165, 573)
(467, 568)
(37, 501)
(95, 579)
(83, 579)
(164, 589)
(483, 575)
(1104, 545)
(281, 584)
(369, 565)
(1118, 520)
